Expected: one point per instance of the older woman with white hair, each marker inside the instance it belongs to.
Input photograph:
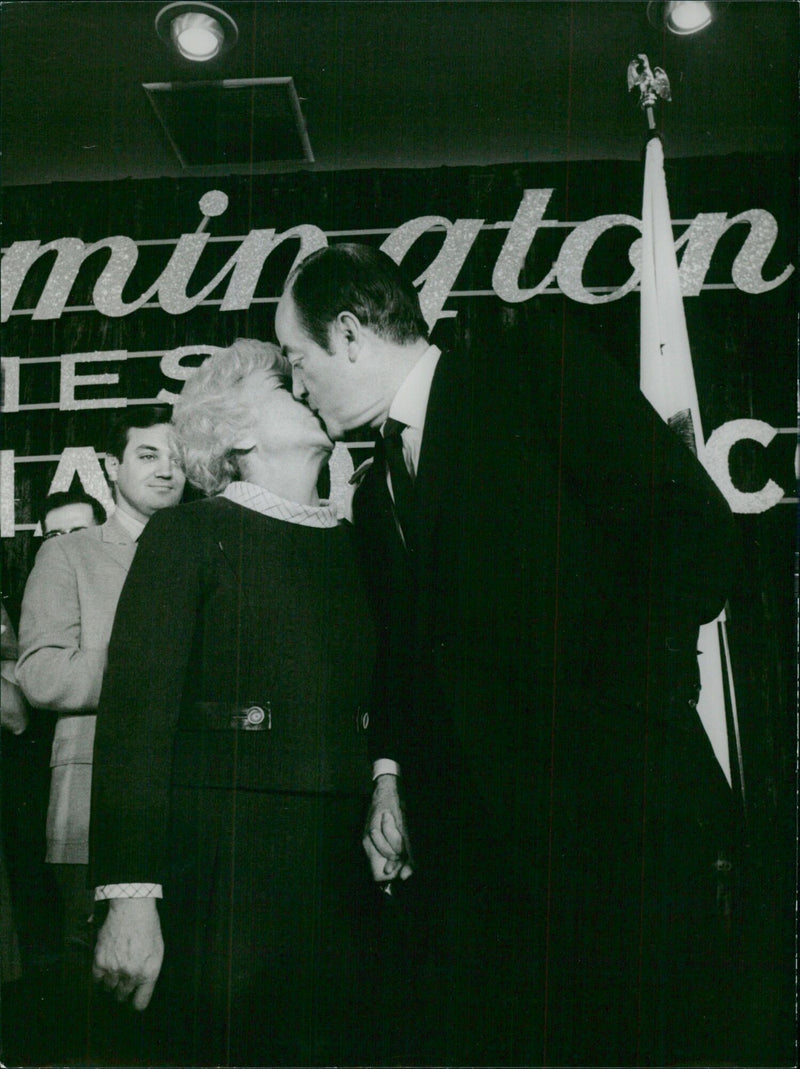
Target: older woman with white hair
(230, 760)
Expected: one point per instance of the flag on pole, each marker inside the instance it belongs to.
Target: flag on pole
(666, 379)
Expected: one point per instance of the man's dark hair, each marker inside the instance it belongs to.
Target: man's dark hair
(358, 279)
(134, 416)
(76, 496)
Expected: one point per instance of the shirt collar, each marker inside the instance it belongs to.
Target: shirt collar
(264, 501)
(411, 400)
(128, 523)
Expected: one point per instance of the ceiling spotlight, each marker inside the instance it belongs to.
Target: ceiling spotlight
(197, 31)
(197, 36)
(681, 17)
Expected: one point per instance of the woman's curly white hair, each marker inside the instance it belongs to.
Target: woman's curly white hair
(211, 413)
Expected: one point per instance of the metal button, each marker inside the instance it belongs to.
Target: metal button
(254, 716)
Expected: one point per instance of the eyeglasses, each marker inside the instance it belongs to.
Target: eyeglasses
(63, 530)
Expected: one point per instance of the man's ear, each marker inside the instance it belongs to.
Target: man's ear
(350, 331)
(112, 467)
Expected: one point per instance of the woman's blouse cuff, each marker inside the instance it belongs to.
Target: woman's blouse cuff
(128, 890)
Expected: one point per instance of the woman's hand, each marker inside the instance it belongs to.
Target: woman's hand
(130, 950)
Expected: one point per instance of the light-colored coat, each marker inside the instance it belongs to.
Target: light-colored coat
(67, 613)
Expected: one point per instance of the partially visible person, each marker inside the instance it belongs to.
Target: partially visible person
(65, 511)
(14, 707)
(67, 611)
(26, 878)
(29, 948)
(231, 774)
(14, 713)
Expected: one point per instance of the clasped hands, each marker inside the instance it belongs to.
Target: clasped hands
(385, 839)
(130, 947)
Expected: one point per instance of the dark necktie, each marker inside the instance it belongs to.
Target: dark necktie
(402, 485)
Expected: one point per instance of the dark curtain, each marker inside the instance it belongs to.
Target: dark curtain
(744, 350)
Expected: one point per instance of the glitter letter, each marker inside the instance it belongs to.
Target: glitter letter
(171, 367)
(250, 258)
(70, 379)
(84, 461)
(702, 237)
(70, 255)
(576, 248)
(440, 275)
(10, 377)
(747, 266)
(510, 262)
(715, 460)
(7, 503)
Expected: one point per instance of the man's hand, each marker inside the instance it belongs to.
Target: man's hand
(385, 837)
(129, 951)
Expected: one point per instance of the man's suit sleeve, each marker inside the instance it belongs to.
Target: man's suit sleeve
(139, 708)
(388, 583)
(55, 670)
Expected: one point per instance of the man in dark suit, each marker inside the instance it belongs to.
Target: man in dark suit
(541, 550)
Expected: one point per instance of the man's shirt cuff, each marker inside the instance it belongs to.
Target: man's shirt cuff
(128, 890)
(385, 767)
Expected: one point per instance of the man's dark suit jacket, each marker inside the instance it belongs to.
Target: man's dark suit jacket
(538, 647)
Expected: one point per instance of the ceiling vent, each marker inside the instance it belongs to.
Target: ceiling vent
(236, 121)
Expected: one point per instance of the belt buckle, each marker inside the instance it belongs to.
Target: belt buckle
(252, 718)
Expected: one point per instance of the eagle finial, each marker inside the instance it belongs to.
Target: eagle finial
(652, 83)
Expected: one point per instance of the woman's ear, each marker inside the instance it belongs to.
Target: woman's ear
(245, 437)
(244, 442)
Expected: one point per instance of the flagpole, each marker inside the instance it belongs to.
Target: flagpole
(667, 380)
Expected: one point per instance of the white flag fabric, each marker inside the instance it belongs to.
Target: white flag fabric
(666, 377)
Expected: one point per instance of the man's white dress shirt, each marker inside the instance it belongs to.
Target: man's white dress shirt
(410, 406)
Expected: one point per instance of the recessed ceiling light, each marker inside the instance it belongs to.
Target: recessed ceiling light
(681, 17)
(197, 31)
